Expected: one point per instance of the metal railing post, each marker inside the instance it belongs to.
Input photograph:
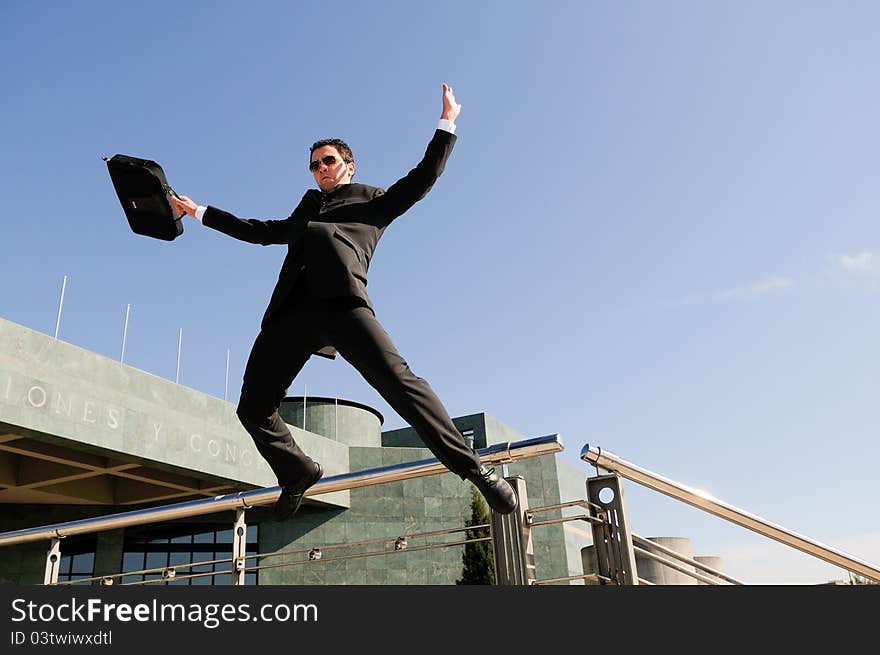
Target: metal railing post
(53, 562)
(239, 547)
(125, 332)
(612, 540)
(60, 305)
(179, 345)
(512, 540)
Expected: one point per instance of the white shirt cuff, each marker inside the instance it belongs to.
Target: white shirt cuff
(446, 126)
(200, 212)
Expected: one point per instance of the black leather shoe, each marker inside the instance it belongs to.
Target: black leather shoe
(495, 489)
(291, 495)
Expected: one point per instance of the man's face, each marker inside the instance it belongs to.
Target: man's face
(329, 176)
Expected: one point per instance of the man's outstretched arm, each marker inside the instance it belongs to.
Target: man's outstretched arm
(246, 229)
(411, 188)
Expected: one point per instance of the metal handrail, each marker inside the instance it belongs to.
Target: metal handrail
(653, 545)
(496, 454)
(565, 519)
(676, 567)
(339, 558)
(702, 500)
(176, 568)
(592, 577)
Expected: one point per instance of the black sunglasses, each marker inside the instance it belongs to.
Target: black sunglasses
(329, 160)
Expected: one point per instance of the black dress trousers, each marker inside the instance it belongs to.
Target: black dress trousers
(307, 324)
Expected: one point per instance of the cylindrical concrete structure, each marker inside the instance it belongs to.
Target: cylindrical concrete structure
(345, 421)
(660, 574)
(712, 561)
(654, 571)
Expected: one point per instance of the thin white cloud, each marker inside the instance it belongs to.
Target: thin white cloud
(772, 285)
(863, 263)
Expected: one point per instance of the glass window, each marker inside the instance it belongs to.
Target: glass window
(133, 561)
(157, 560)
(176, 559)
(201, 544)
(78, 563)
(83, 563)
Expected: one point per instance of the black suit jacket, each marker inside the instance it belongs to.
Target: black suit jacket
(332, 236)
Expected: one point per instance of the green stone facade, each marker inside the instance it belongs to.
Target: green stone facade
(60, 396)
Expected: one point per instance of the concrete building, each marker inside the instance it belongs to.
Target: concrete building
(658, 573)
(82, 435)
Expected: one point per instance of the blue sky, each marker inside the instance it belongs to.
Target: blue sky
(658, 231)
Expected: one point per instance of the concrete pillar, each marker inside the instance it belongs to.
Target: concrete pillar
(659, 573)
(710, 560)
(108, 552)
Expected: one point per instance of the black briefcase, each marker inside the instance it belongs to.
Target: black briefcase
(144, 193)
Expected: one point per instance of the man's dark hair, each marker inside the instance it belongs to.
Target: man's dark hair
(340, 145)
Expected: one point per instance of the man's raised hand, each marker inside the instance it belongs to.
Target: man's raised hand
(451, 109)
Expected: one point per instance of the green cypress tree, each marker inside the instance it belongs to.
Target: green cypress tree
(478, 560)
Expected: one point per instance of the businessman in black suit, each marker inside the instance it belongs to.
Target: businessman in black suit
(320, 306)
